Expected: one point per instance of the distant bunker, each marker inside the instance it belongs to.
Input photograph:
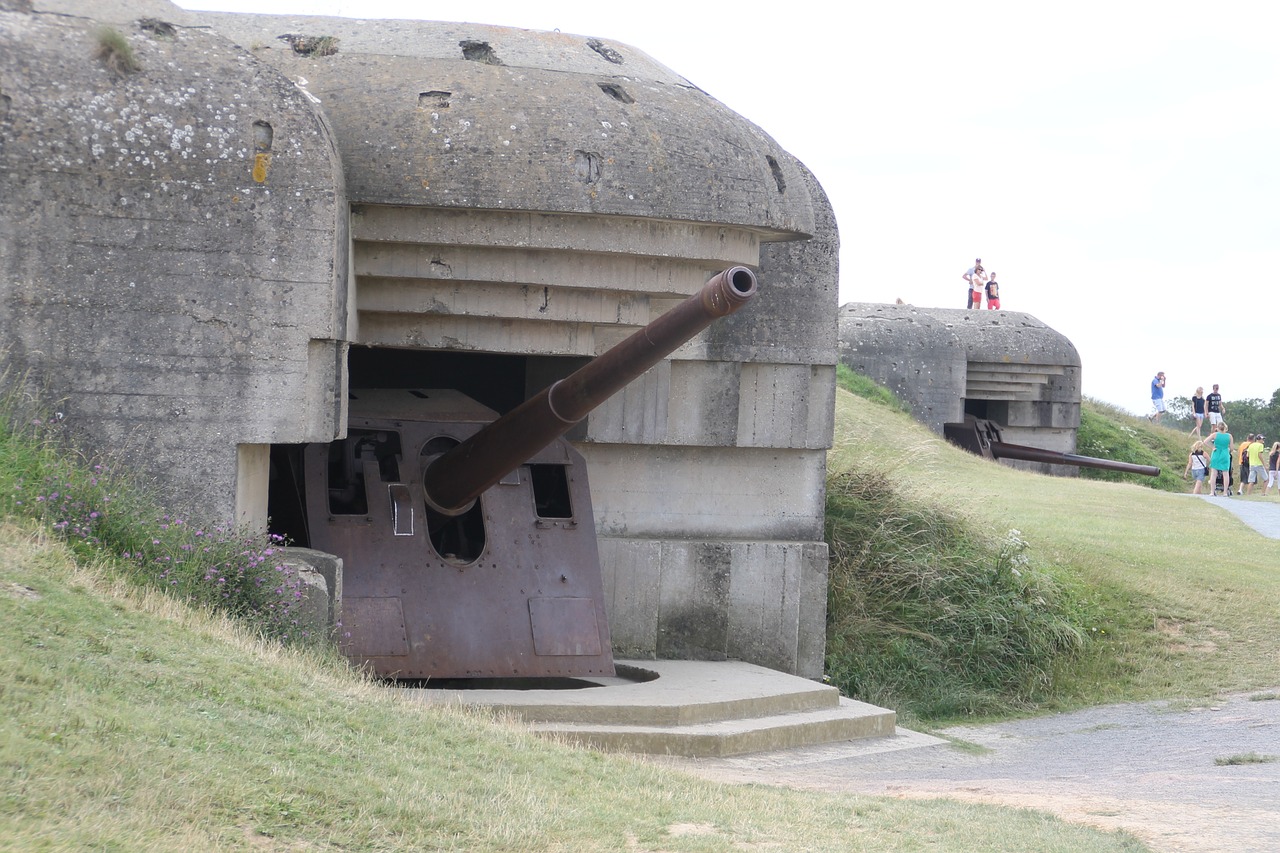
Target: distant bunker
(944, 364)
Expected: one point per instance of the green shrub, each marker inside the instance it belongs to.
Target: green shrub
(115, 52)
(927, 617)
(100, 512)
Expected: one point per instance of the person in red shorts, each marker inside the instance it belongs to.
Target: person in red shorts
(974, 275)
(993, 293)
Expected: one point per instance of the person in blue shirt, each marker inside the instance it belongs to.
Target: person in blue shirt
(1157, 398)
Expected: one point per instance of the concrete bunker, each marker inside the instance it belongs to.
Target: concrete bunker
(945, 364)
(291, 230)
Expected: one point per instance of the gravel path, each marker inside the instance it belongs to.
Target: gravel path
(1262, 514)
(1151, 769)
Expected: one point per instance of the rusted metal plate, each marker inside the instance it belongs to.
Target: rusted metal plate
(375, 626)
(564, 626)
(469, 616)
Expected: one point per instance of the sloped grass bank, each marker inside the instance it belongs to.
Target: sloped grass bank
(932, 616)
(134, 723)
(1174, 598)
(98, 508)
(1109, 433)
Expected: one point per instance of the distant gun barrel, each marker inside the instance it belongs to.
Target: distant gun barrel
(460, 475)
(982, 437)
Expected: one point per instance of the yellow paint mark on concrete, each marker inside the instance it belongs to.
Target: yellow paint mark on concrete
(261, 163)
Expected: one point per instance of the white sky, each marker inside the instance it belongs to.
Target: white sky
(1116, 163)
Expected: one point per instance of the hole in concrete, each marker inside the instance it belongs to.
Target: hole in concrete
(157, 27)
(626, 674)
(311, 46)
(616, 92)
(586, 166)
(263, 134)
(604, 50)
(434, 100)
(5, 103)
(777, 173)
(479, 51)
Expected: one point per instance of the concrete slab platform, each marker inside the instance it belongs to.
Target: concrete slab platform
(685, 708)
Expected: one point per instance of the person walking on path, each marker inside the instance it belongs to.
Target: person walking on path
(993, 293)
(1220, 461)
(1257, 465)
(1197, 466)
(1197, 410)
(1157, 398)
(1273, 476)
(1243, 457)
(974, 275)
(1214, 407)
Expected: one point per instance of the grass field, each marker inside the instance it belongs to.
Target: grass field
(133, 722)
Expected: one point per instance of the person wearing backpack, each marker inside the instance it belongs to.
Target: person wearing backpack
(1243, 458)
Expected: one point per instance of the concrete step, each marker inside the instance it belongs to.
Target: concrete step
(683, 708)
(849, 720)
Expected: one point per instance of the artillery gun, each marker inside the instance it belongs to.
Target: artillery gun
(981, 436)
(467, 539)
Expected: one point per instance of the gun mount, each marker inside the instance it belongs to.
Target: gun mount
(982, 437)
(468, 540)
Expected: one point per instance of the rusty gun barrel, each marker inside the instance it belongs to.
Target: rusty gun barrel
(1002, 450)
(460, 475)
(981, 436)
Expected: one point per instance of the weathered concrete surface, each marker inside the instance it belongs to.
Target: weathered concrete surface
(909, 351)
(321, 574)
(181, 302)
(693, 708)
(560, 126)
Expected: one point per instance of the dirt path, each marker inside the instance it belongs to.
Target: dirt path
(1150, 769)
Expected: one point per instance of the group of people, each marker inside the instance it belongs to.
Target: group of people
(1211, 458)
(1257, 463)
(981, 281)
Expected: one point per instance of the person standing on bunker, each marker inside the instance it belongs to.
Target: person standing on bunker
(974, 275)
(993, 293)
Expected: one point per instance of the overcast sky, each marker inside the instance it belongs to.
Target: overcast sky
(1117, 164)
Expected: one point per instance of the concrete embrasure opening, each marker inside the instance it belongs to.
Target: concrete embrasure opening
(626, 675)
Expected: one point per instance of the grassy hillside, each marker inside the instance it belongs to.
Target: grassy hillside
(1178, 597)
(134, 723)
(1111, 433)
